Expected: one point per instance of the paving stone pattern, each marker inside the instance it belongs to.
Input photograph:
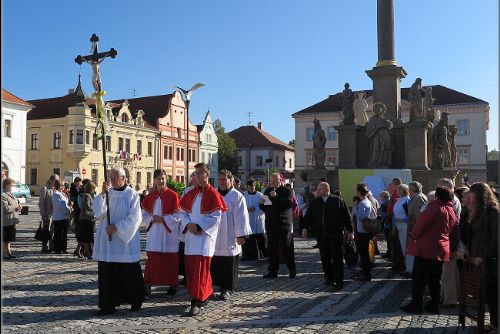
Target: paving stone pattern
(49, 293)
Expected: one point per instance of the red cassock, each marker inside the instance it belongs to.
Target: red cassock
(198, 278)
(162, 268)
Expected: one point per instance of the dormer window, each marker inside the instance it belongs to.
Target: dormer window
(124, 118)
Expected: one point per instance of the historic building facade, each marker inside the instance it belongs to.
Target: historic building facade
(258, 152)
(469, 114)
(14, 114)
(209, 147)
(61, 140)
(167, 114)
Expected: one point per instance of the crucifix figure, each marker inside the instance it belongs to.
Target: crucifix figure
(95, 59)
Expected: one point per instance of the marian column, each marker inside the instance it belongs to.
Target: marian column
(386, 75)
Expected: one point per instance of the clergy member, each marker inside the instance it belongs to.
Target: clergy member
(119, 270)
(162, 241)
(182, 270)
(233, 229)
(201, 210)
(277, 205)
(255, 247)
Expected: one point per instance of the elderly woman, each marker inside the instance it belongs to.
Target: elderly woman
(430, 245)
(10, 211)
(60, 218)
(482, 243)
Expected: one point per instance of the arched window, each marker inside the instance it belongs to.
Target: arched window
(124, 118)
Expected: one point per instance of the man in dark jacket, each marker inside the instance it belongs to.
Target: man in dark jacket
(328, 216)
(278, 210)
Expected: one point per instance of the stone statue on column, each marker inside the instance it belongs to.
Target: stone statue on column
(440, 143)
(378, 131)
(360, 105)
(429, 111)
(452, 131)
(319, 142)
(347, 99)
(416, 98)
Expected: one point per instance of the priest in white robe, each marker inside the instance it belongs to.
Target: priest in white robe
(159, 210)
(255, 247)
(234, 228)
(119, 270)
(200, 214)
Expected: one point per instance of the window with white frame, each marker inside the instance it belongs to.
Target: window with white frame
(331, 158)
(332, 133)
(309, 134)
(34, 141)
(56, 140)
(309, 158)
(79, 136)
(7, 128)
(463, 127)
(463, 155)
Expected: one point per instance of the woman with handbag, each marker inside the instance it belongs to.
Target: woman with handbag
(10, 212)
(87, 219)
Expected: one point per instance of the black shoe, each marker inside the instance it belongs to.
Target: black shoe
(338, 286)
(225, 295)
(292, 274)
(328, 281)
(431, 308)
(12, 256)
(386, 256)
(6, 257)
(45, 250)
(183, 281)
(365, 278)
(147, 290)
(105, 311)
(398, 268)
(270, 275)
(410, 308)
(135, 307)
(316, 246)
(195, 310)
(171, 291)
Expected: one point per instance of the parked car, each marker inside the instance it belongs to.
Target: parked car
(20, 190)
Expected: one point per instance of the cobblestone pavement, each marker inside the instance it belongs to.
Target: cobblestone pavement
(58, 293)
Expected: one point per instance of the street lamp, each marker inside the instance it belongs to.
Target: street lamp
(186, 97)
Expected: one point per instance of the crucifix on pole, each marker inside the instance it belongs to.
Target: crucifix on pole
(95, 59)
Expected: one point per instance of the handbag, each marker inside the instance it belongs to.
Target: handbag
(42, 233)
(350, 253)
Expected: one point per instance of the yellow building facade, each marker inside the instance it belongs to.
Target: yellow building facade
(61, 140)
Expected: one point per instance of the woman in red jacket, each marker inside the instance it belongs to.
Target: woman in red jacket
(430, 241)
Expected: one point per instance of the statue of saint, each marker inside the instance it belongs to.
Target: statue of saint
(359, 106)
(429, 112)
(378, 130)
(319, 141)
(415, 97)
(452, 131)
(440, 143)
(347, 99)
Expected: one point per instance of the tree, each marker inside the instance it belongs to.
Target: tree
(227, 149)
(493, 155)
(292, 142)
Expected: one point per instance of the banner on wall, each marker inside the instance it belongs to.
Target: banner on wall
(376, 180)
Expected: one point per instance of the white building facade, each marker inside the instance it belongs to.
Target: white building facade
(14, 113)
(209, 147)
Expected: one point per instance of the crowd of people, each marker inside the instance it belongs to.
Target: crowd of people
(201, 234)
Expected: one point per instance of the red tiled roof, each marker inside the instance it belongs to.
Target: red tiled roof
(9, 97)
(251, 136)
(154, 107)
(442, 95)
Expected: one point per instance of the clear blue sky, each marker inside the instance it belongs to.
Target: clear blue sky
(271, 58)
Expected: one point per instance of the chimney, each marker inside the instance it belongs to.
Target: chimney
(259, 125)
(71, 91)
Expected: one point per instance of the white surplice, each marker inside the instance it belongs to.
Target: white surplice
(158, 239)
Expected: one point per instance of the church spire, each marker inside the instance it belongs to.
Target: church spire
(79, 95)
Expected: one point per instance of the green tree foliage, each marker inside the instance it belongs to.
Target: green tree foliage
(227, 149)
(493, 155)
(292, 142)
(176, 186)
